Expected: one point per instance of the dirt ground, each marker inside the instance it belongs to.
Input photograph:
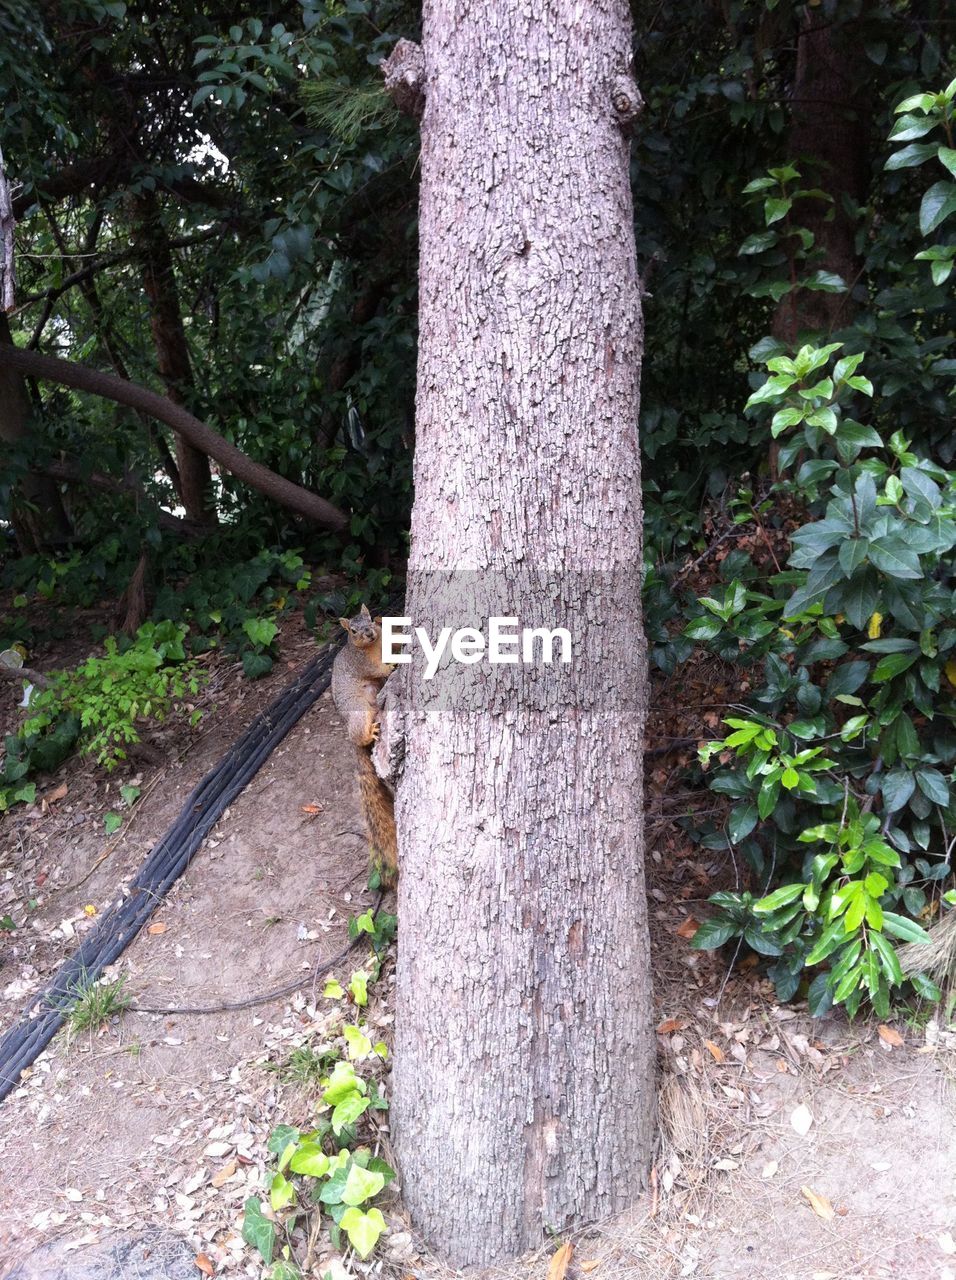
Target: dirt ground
(790, 1150)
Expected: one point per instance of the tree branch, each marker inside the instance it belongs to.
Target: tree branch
(285, 492)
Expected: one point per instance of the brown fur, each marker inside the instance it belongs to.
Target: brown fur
(358, 674)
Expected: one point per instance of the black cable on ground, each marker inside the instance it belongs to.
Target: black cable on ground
(165, 863)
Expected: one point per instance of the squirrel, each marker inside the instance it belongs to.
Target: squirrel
(358, 674)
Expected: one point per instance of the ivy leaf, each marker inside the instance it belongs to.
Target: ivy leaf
(310, 1159)
(258, 1230)
(361, 1185)
(363, 1229)
(898, 786)
(112, 822)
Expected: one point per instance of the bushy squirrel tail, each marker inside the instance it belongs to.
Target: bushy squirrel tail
(378, 808)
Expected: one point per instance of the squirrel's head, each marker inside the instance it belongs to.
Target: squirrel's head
(363, 630)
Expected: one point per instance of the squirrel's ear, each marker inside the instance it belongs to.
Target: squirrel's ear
(345, 624)
(378, 620)
(364, 613)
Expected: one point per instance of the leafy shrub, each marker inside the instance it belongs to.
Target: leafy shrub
(844, 765)
(102, 704)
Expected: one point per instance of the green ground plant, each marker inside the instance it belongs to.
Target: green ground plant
(332, 1168)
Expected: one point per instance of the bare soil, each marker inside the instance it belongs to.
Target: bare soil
(790, 1148)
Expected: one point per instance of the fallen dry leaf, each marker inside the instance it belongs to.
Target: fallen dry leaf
(58, 794)
(312, 808)
(890, 1036)
(669, 1025)
(714, 1050)
(802, 1119)
(592, 1264)
(204, 1264)
(688, 928)
(769, 1169)
(820, 1205)
(89, 909)
(224, 1174)
(157, 928)
(558, 1266)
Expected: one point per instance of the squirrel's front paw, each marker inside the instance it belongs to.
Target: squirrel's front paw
(374, 730)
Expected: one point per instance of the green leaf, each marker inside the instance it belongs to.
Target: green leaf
(261, 631)
(361, 1185)
(938, 203)
(890, 555)
(741, 821)
(342, 1082)
(281, 1193)
(947, 156)
(925, 987)
(916, 153)
(363, 1229)
(757, 243)
(831, 938)
(897, 787)
(779, 898)
(933, 786)
(280, 1138)
(358, 986)
(258, 1230)
(256, 665)
(112, 822)
(909, 127)
(310, 1159)
(359, 1045)
(714, 933)
(348, 1111)
(892, 665)
(775, 208)
(853, 728)
(889, 960)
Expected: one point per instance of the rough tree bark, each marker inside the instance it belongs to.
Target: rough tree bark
(831, 111)
(172, 351)
(524, 1079)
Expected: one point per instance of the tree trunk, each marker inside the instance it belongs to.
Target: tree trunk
(36, 509)
(524, 1064)
(831, 109)
(172, 352)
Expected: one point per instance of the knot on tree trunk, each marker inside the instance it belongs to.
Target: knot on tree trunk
(626, 99)
(388, 753)
(404, 72)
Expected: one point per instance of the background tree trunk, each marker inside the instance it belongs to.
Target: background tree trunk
(524, 1080)
(831, 111)
(172, 352)
(36, 509)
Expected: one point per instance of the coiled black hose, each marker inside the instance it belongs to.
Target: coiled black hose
(164, 864)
